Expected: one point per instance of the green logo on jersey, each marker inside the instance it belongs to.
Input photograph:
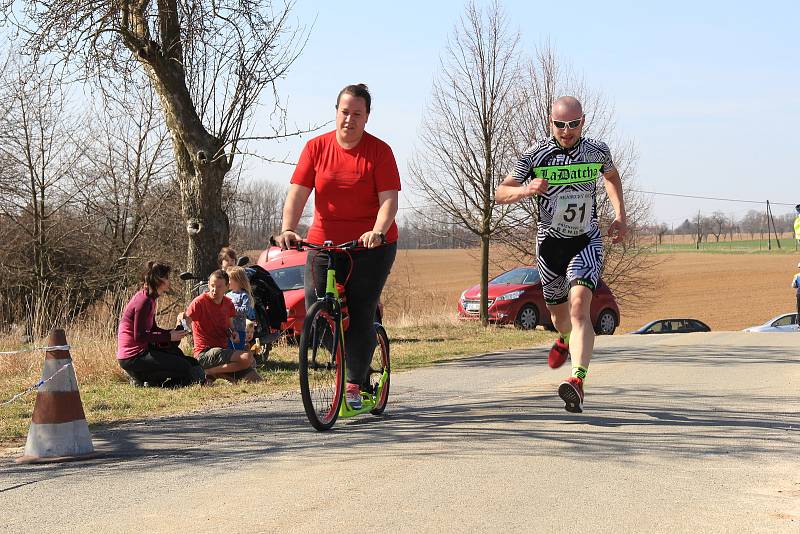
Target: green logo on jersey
(572, 173)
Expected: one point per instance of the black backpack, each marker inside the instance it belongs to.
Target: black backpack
(270, 306)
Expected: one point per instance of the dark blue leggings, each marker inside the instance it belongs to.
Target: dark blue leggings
(371, 268)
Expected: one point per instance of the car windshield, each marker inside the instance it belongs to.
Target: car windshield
(657, 327)
(289, 278)
(786, 320)
(518, 276)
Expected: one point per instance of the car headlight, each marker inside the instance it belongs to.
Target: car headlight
(462, 295)
(510, 296)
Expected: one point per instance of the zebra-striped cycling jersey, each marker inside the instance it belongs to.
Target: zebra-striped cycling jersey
(569, 206)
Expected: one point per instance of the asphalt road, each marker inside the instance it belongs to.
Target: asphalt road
(681, 433)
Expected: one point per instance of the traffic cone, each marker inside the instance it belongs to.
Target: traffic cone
(59, 432)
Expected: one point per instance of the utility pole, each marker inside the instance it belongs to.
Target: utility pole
(771, 219)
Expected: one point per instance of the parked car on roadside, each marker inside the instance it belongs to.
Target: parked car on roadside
(673, 326)
(287, 268)
(786, 322)
(515, 297)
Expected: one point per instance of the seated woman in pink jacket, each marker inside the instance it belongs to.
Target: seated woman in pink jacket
(150, 355)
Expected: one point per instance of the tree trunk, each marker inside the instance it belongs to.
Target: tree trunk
(485, 279)
(206, 222)
(201, 204)
(201, 165)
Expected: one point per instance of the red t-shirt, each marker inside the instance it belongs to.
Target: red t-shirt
(346, 183)
(210, 322)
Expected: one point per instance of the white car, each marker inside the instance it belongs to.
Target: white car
(786, 322)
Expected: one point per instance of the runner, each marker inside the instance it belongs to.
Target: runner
(563, 172)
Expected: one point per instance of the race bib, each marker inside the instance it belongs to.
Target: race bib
(573, 213)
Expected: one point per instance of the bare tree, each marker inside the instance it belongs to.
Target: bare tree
(733, 228)
(83, 197)
(700, 229)
(428, 228)
(39, 168)
(628, 269)
(754, 222)
(135, 177)
(208, 62)
(467, 139)
(785, 223)
(256, 213)
(131, 192)
(717, 224)
(661, 230)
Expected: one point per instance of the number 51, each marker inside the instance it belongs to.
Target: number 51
(570, 213)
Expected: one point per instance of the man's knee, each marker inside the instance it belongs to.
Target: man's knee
(579, 318)
(244, 357)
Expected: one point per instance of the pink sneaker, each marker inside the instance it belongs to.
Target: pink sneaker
(571, 392)
(353, 396)
(559, 353)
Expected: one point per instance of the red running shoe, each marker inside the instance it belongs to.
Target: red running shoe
(571, 392)
(559, 353)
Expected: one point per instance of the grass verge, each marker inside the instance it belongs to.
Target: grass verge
(107, 397)
(749, 246)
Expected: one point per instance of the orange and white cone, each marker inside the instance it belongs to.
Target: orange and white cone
(59, 431)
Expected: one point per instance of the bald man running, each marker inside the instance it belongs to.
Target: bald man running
(562, 173)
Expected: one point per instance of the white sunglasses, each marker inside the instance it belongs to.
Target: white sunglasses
(568, 124)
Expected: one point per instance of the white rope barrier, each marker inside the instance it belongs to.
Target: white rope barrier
(37, 385)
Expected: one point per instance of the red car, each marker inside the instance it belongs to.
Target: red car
(515, 297)
(288, 268)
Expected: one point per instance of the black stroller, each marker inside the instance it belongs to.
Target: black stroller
(270, 310)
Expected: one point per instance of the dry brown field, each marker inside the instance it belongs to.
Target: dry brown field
(726, 291)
